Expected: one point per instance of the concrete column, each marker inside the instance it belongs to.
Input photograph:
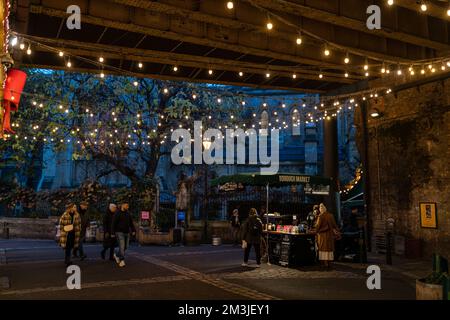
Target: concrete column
(331, 161)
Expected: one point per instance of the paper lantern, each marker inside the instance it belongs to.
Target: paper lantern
(15, 81)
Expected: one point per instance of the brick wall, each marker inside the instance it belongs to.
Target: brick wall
(409, 162)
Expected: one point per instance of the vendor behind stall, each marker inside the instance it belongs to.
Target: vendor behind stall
(312, 217)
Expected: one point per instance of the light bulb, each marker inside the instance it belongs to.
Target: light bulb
(194, 96)
(166, 90)
(346, 74)
(101, 59)
(14, 41)
(399, 72)
(326, 52)
(267, 75)
(269, 26)
(423, 7)
(69, 64)
(210, 72)
(390, 2)
(347, 60)
(241, 74)
(175, 68)
(22, 46)
(383, 70)
(140, 65)
(448, 12)
(320, 76)
(299, 40)
(61, 54)
(366, 67)
(294, 76)
(102, 75)
(422, 71)
(28, 50)
(230, 5)
(367, 74)
(135, 83)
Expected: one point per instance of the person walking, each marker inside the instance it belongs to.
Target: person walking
(251, 235)
(82, 211)
(327, 231)
(235, 224)
(70, 229)
(122, 224)
(108, 241)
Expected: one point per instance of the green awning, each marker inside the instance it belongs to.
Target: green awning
(277, 180)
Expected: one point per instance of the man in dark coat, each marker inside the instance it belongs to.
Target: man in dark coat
(108, 241)
(82, 211)
(122, 224)
(251, 235)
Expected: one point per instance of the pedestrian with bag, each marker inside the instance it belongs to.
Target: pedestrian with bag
(251, 235)
(82, 211)
(235, 224)
(326, 233)
(122, 225)
(70, 228)
(108, 241)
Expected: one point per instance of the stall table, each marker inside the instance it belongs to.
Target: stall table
(291, 250)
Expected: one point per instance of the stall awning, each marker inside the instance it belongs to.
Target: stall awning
(277, 180)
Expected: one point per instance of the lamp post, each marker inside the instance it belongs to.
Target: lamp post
(206, 146)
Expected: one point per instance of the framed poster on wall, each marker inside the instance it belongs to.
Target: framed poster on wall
(428, 215)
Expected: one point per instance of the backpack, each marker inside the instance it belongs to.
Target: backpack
(254, 227)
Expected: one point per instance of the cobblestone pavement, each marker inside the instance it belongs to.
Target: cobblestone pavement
(35, 269)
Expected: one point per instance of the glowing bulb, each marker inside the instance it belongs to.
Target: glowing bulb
(28, 50)
(399, 72)
(390, 2)
(175, 68)
(140, 65)
(69, 64)
(294, 76)
(422, 71)
(101, 59)
(383, 70)
(327, 52)
(269, 26)
(135, 83)
(424, 7)
(14, 41)
(102, 75)
(366, 67)
(320, 76)
(448, 12)
(346, 74)
(347, 60)
(61, 54)
(299, 41)
(267, 75)
(230, 5)
(241, 74)
(367, 74)
(194, 96)
(166, 90)
(22, 46)
(210, 72)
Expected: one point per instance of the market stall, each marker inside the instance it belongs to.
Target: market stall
(288, 240)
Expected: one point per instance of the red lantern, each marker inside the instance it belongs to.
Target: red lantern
(15, 81)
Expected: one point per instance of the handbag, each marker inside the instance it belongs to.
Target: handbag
(244, 244)
(68, 228)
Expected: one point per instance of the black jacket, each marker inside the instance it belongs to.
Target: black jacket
(84, 221)
(107, 221)
(122, 222)
(252, 230)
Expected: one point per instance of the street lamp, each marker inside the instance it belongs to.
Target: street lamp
(206, 146)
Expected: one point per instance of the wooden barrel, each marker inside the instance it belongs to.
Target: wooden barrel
(426, 291)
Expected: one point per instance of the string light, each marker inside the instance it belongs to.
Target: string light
(299, 39)
(347, 59)
(69, 64)
(61, 54)
(29, 50)
(140, 65)
(390, 2)
(22, 46)
(320, 76)
(423, 6)
(294, 76)
(175, 68)
(241, 73)
(210, 72)
(326, 51)
(269, 25)
(267, 75)
(230, 5)
(101, 59)
(14, 41)
(366, 65)
(346, 75)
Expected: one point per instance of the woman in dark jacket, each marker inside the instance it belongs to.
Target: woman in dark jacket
(251, 235)
(108, 241)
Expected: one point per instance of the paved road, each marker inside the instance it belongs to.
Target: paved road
(35, 269)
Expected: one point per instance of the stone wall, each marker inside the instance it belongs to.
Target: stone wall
(409, 162)
(29, 228)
